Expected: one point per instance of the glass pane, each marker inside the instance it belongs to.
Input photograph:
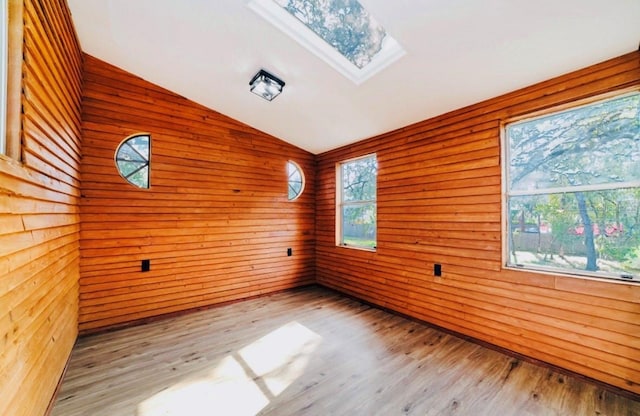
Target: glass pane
(359, 225)
(596, 232)
(343, 24)
(140, 178)
(127, 168)
(294, 173)
(133, 153)
(141, 145)
(294, 189)
(359, 180)
(595, 144)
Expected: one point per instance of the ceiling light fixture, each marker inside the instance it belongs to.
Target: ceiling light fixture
(266, 85)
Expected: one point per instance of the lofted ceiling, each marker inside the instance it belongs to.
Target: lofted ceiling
(458, 52)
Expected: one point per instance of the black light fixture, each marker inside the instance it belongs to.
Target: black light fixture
(266, 85)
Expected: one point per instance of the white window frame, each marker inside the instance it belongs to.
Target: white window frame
(507, 193)
(4, 57)
(340, 203)
(11, 78)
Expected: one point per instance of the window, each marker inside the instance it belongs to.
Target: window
(341, 32)
(356, 214)
(295, 180)
(132, 160)
(4, 57)
(573, 190)
(11, 55)
(345, 25)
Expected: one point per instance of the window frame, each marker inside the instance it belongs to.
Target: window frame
(11, 56)
(506, 193)
(4, 57)
(148, 161)
(340, 203)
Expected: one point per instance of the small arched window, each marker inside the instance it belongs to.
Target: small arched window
(132, 159)
(296, 180)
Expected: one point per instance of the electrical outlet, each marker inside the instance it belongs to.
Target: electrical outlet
(437, 269)
(289, 252)
(145, 266)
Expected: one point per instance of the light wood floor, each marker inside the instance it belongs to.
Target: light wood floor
(311, 352)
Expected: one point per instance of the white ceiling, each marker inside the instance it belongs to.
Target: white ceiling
(458, 52)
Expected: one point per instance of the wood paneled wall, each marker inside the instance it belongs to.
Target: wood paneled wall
(439, 193)
(39, 216)
(216, 222)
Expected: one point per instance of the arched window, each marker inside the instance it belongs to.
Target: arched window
(132, 159)
(296, 180)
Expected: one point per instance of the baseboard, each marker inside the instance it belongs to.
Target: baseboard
(609, 387)
(52, 402)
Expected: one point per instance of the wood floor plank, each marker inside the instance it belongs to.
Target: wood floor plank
(311, 352)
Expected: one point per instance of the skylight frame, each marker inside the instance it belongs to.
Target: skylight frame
(391, 50)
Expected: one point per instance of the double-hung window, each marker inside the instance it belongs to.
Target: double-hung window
(356, 208)
(572, 182)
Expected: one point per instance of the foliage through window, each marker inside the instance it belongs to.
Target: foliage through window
(340, 32)
(132, 160)
(357, 202)
(573, 190)
(343, 24)
(295, 180)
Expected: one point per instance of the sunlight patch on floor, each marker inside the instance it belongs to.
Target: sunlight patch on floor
(242, 383)
(280, 357)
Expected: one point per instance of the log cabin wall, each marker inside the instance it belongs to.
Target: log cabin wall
(215, 224)
(39, 214)
(439, 201)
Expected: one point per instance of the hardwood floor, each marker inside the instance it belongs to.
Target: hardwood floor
(311, 352)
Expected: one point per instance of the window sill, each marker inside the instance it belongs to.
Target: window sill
(609, 278)
(370, 250)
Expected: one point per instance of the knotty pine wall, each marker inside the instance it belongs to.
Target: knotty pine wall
(39, 216)
(439, 193)
(216, 222)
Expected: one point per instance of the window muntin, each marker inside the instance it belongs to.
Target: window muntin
(295, 180)
(573, 190)
(133, 158)
(357, 202)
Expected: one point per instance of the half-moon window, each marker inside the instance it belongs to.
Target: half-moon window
(296, 180)
(132, 160)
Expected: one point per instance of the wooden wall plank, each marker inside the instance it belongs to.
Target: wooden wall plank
(439, 201)
(39, 216)
(216, 223)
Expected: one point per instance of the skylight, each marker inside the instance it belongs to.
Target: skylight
(341, 32)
